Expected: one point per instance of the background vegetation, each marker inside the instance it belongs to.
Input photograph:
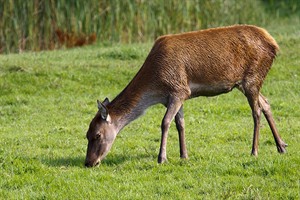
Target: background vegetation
(48, 98)
(32, 25)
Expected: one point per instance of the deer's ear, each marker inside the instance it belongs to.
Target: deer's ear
(105, 102)
(103, 111)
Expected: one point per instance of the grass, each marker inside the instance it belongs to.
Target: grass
(47, 100)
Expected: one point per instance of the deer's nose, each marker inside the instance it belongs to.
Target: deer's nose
(88, 164)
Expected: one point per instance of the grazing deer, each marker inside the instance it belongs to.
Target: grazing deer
(183, 66)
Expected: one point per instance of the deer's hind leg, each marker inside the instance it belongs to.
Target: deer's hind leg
(256, 114)
(266, 109)
(251, 91)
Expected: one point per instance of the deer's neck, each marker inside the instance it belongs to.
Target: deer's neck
(131, 103)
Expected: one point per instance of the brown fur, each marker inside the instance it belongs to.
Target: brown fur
(226, 55)
(201, 63)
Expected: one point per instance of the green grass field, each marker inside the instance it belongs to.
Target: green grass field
(47, 100)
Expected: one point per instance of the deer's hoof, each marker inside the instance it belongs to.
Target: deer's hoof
(161, 160)
(254, 153)
(184, 157)
(281, 148)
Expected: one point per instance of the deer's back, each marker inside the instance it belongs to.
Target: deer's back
(214, 58)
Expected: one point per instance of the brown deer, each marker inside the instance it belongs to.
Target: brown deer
(183, 66)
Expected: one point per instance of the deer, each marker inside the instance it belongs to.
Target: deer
(183, 66)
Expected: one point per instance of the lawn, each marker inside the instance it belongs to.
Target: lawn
(47, 100)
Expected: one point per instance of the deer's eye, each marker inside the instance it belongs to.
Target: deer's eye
(98, 136)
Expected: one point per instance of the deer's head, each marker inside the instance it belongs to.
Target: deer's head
(100, 135)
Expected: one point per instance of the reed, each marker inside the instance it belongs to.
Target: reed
(33, 24)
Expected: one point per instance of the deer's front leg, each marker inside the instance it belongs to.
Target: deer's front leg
(179, 120)
(172, 109)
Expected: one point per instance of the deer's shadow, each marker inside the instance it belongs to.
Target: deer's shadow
(78, 161)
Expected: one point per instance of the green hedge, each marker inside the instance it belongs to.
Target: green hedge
(31, 25)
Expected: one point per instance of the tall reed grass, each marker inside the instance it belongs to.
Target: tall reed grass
(31, 25)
